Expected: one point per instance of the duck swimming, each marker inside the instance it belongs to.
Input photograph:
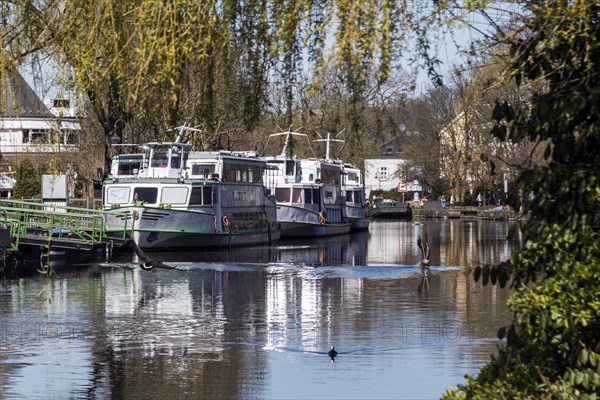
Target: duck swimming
(332, 353)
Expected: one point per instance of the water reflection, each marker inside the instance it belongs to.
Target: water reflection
(258, 322)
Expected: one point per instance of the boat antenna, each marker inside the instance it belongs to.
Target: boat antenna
(288, 134)
(328, 140)
(183, 128)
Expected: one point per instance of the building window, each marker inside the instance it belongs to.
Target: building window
(389, 149)
(71, 136)
(39, 136)
(383, 173)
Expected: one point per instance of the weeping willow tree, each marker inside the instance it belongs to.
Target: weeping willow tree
(147, 66)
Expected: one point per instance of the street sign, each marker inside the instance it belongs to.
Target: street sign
(415, 187)
(402, 187)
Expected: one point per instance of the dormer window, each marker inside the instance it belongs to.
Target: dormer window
(389, 149)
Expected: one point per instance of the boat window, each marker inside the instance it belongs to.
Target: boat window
(229, 173)
(202, 196)
(282, 194)
(176, 154)
(358, 196)
(159, 160)
(353, 177)
(146, 157)
(207, 195)
(196, 197)
(311, 196)
(289, 168)
(255, 173)
(330, 175)
(350, 196)
(308, 196)
(296, 195)
(203, 170)
(146, 194)
(329, 197)
(129, 164)
(242, 173)
(160, 156)
(174, 195)
(117, 195)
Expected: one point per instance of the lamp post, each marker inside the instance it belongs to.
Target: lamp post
(116, 138)
(378, 177)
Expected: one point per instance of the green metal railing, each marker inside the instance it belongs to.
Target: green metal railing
(27, 219)
(10, 229)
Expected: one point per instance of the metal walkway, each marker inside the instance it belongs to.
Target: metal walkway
(54, 226)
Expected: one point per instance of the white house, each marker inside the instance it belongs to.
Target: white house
(28, 126)
(386, 171)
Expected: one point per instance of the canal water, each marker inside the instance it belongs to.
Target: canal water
(257, 322)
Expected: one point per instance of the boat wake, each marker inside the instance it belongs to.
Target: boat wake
(308, 271)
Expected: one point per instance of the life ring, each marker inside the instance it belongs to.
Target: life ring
(322, 217)
(135, 214)
(225, 222)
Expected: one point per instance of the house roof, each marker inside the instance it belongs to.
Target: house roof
(17, 99)
(393, 147)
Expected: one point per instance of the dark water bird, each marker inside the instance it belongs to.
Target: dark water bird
(148, 263)
(424, 246)
(332, 353)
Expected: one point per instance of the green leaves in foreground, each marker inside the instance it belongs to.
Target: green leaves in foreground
(553, 343)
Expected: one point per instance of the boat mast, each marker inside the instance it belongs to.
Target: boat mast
(182, 129)
(288, 134)
(328, 141)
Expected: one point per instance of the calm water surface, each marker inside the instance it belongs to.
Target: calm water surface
(256, 323)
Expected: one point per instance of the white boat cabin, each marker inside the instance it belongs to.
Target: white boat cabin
(353, 184)
(170, 174)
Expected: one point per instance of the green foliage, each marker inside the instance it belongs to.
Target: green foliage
(553, 345)
(28, 181)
